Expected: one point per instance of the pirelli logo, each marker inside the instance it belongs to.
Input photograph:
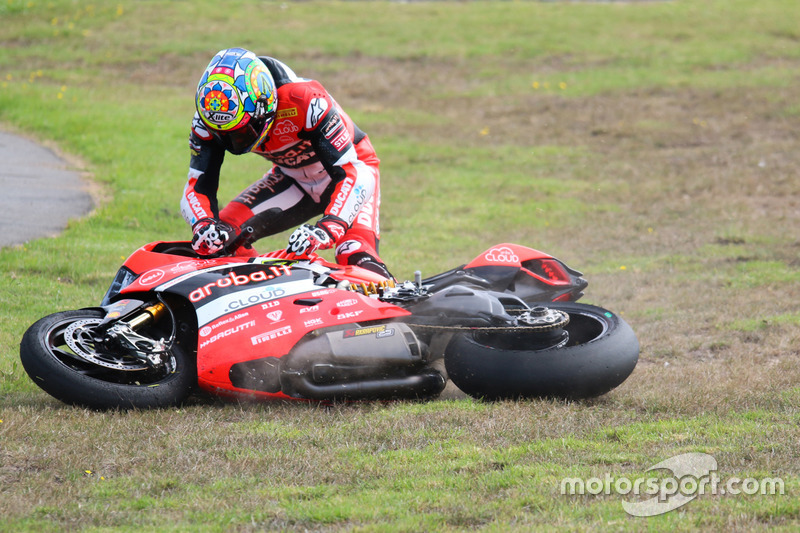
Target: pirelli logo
(378, 331)
(270, 335)
(286, 113)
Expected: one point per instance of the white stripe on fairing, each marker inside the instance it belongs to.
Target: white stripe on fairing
(221, 306)
(192, 274)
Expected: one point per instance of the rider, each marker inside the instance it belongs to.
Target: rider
(323, 165)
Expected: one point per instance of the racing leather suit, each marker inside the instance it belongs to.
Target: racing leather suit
(323, 165)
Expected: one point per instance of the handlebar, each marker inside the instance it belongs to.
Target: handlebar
(245, 239)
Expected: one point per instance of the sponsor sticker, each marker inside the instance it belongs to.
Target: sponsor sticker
(349, 314)
(287, 127)
(196, 205)
(225, 333)
(501, 255)
(152, 277)
(341, 198)
(286, 113)
(235, 280)
(341, 140)
(379, 331)
(270, 335)
(322, 292)
(207, 330)
(243, 299)
(316, 109)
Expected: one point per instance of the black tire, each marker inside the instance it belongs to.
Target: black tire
(75, 380)
(600, 353)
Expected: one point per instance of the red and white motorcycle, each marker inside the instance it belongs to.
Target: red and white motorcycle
(505, 325)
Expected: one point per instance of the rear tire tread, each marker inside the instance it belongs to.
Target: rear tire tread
(587, 369)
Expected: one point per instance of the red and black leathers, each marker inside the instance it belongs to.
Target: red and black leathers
(323, 166)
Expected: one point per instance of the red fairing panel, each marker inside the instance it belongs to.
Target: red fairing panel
(539, 265)
(158, 268)
(273, 328)
(507, 254)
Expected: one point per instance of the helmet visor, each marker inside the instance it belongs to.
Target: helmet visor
(240, 140)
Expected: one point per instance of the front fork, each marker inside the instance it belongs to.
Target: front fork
(119, 330)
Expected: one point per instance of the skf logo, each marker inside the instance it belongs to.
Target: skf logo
(350, 314)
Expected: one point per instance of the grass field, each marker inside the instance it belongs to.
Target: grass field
(655, 146)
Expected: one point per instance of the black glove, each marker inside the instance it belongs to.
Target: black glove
(210, 236)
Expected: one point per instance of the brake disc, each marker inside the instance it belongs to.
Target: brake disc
(79, 337)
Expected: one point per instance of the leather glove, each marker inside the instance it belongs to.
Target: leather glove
(307, 239)
(210, 236)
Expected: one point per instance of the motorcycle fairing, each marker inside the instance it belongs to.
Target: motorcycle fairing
(538, 264)
(248, 309)
(271, 329)
(162, 264)
(529, 274)
(263, 310)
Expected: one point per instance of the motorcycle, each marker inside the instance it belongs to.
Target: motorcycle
(506, 325)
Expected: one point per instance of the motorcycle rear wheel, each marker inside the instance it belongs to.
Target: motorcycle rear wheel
(598, 352)
(100, 380)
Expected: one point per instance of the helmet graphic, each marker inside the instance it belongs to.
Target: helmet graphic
(236, 99)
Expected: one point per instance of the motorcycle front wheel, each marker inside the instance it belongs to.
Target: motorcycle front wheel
(594, 353)
(60, 355)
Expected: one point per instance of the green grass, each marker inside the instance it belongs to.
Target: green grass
(651, 145)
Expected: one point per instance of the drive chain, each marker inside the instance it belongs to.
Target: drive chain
(540, 328)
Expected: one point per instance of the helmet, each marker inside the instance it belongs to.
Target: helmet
(236, 99)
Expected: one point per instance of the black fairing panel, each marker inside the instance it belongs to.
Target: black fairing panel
(463, 305)
(526, 284)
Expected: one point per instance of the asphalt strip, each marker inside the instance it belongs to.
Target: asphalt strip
(40, 192)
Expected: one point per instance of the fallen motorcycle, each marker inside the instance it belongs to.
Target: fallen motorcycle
(505, 325)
